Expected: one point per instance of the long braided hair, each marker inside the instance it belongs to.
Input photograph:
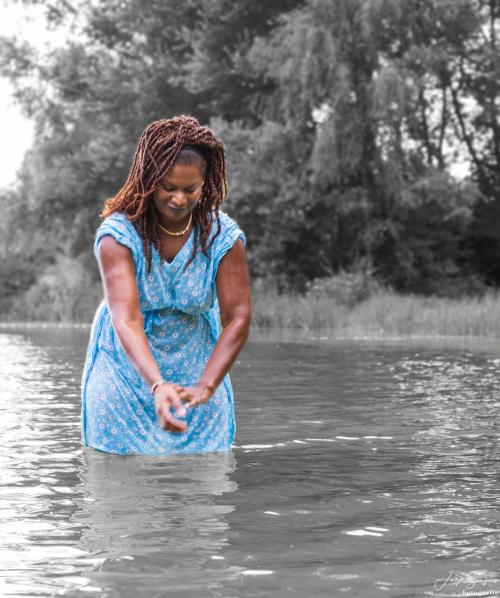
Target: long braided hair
(157, 150)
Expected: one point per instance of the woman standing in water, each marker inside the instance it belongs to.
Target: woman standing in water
(177, 304)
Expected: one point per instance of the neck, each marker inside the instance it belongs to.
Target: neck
(174, 227)
(177, 227)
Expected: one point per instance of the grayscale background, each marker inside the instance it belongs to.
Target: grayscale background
(363, 161)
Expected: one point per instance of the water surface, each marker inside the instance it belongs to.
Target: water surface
(361, 468)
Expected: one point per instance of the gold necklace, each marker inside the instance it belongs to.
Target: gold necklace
(177, 234)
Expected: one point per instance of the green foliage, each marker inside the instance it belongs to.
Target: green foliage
(424, 250)
(16, 278)
(383, 314)
(64, 292)
(342, 119)
(390, 314)
(345, 288)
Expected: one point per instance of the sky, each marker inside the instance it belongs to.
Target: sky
(17, 130)
(14, 127)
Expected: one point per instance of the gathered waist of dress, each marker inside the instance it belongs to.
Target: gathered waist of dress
(167, 327)
(156, 320)
(150, 316)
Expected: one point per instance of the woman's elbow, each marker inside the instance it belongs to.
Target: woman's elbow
(126, 319)
(241, 321)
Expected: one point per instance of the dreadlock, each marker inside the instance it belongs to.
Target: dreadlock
(158, 148)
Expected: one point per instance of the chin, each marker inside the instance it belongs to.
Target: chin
(173, 214)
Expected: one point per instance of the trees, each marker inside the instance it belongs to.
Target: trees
(342, 119)
(363, 95)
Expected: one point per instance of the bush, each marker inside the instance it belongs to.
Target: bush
(346, 289)
(63, 293)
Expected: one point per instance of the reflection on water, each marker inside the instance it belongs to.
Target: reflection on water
(361, 469)
(156, 518)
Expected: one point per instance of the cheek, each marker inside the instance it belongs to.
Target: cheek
(160, 196)
(195, 198)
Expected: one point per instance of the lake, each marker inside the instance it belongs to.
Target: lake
(361, 468)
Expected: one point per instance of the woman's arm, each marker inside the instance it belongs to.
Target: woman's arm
(118, 276)
(233, 290)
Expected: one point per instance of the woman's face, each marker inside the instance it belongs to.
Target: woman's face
(178, 192)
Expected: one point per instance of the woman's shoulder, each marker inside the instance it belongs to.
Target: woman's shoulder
(226, 218)
(229, 233)
(118, 221)
(118, 218)
(228, 225)
(118, 226)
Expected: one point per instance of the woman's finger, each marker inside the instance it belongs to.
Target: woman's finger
(189, 395)
(173, 397)
(168, 422)
(191, 398)
(165, 417)
(183, 393)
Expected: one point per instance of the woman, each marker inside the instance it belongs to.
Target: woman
(177, 304)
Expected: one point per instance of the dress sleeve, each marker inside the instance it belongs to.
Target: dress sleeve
(122, 230)
(230, 232)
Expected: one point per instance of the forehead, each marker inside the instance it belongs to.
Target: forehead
(184, 172)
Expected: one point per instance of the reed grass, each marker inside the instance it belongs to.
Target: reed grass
(384, 313)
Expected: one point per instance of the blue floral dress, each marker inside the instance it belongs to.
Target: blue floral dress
(182, 325)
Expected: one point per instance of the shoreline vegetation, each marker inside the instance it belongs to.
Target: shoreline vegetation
(362, 164)
(367, 184)
(383, 314)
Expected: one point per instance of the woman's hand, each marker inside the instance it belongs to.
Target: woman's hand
(166, 396)
(197, 394)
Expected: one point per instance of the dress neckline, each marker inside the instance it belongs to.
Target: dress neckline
(178, 254)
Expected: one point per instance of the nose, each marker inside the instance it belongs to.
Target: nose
(179, 199)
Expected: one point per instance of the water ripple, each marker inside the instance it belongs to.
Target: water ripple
(359, 469)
